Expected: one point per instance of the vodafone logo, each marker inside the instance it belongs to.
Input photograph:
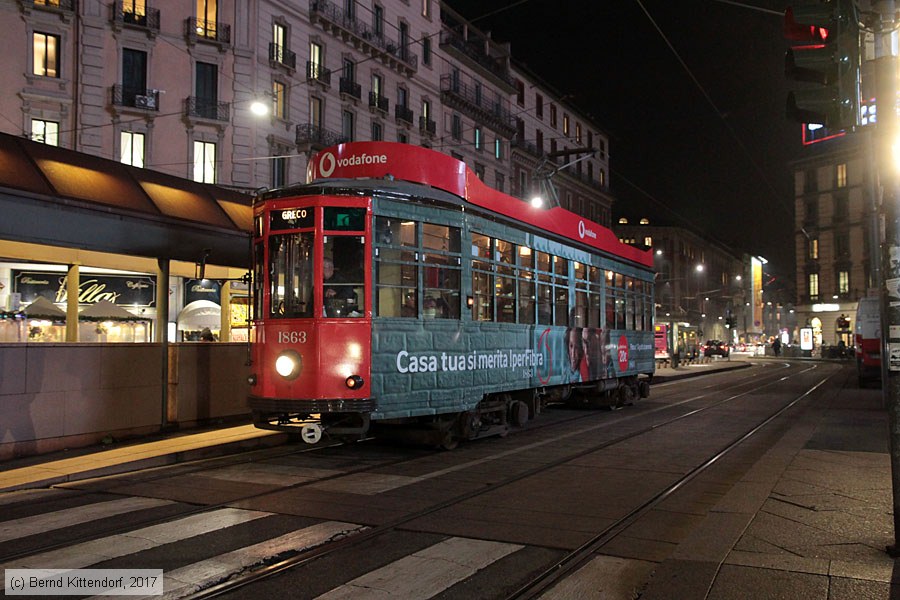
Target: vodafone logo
(584, 232)
(327, 164)
(622, 353)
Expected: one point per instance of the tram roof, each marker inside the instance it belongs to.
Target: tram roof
(56, 196)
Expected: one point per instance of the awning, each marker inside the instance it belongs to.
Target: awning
(42, 308)
(107, 311)
(199, 314)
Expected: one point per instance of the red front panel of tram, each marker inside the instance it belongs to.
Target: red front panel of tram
(330, 351)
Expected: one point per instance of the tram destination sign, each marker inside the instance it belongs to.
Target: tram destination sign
(126, 290)
(292, 218)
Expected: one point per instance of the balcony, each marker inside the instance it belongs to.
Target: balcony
(123, 16)
(281, 56)
(378, 102)
(204, 108)
(350, 88)
(474, 101)
(527, 147)
(65, 8)
(312, 138)
(363, 36)
(200, 30)
(403, 113)
(139, 99)
(317, 73)
(472, 51)
(427, 126)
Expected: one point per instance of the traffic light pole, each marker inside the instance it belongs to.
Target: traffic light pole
(886, 134)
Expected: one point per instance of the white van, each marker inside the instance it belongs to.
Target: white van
(867, 340)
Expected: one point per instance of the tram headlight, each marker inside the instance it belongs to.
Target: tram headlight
(289, 364)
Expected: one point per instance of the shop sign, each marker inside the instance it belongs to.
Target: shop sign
(202, 289)
(125, 290)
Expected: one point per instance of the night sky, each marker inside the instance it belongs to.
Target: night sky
(712, 154)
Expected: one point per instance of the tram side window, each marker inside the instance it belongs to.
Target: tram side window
(544, 289)
(442, 272)
(290, 275)
(396, 268)
(561, 291)
(505, 288)
(259, 264)
(595, 297)
(482, 279)
(526, 285)
(580, 310)
(343, 282)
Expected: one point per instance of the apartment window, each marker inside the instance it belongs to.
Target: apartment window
(520, 92)
(279, 41)
(132, 148)
(350, 9)
(316, 110)
(426, 109)
(539, 106)
(279, 171)
(578, 133)
(602, 146)
(456, 127)
(552, 115)
(813, 286)
(134, 75)
(402, 137)
(279, 105)
(841, 245)
(378, 20)
(498, 149)
(315, 60)
(347, 128)
(377, 132)
(499, 181)
(208, 10)
(204, 162)
(841, 175)
(814, 249)
(426, 9)
(843, 282)
(426, 51)
(46, 54)
(539, 141)
(377, 85)
(207, 90)
(477, 138)
(565, 124)
(402, 97)
(46, 132)
(810, 181)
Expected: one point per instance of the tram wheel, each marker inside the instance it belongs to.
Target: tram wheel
(625, 396)
(450, 441)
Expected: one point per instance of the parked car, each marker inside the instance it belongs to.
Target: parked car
(715, 348)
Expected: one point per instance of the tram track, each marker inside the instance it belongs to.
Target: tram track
(573, 559)
(535, 428)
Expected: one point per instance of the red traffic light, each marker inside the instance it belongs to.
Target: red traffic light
(798, 32)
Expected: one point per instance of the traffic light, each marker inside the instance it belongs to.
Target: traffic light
(825, 53)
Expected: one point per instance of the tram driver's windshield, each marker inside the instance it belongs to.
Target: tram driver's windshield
(291, 275)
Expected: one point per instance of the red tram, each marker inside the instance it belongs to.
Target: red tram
(397, 292)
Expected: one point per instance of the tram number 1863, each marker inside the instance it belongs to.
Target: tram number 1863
(291, 337)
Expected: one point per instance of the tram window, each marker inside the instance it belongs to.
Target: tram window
(441, 293)
(395, 232)
(561, 312)
(343, 282)
(526, 258)
(341, 218)
(505, 255)
(595, 306)
(506, 299)
(629, 311)
(620, 312)
(580, 311)
(526, 301)
(259, 263)
(290, 275)
(483, 291)
(545, 304)
(441, 237)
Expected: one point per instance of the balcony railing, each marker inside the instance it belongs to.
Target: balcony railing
(403, 113)
(210, 31)
(148, 19)
(335, 19)
(477, 104)
(282, 56)
(474, 49)
(207, 109)
(143, 99)
(378, 102)
(316, 72)
(317, 137)
(427, 126)
(67, 6)
(350, 88)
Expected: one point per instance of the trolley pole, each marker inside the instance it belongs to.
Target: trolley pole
(886, 138)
